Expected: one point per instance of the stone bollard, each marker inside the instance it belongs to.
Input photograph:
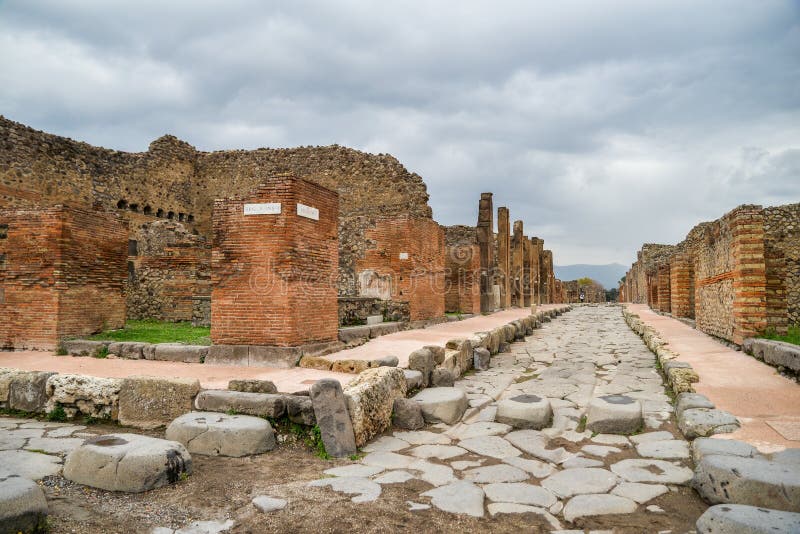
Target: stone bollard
(330, 410)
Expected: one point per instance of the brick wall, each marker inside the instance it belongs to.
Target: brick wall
(168, 269)
(462, 270)
(681, 285)
(62, 274)
(409, 253)
(503, 258)
(274, 275)
(664, 298)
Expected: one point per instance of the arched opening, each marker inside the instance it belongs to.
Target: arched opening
(160, 213)
(190, 218)
(122, 204)
(170, 215)
(180, 216)
(147, 210)
(134, 207)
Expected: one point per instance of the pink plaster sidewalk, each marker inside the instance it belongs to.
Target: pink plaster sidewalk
(400, 344)
(735, 382)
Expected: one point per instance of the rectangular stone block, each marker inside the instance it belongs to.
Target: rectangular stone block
(228, 355)
(28, 391)
(370, 399)
(258, 404)
(280, 357)
(149, 402)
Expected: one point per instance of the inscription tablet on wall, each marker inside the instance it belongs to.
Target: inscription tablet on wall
(272, 208)
(307, 212)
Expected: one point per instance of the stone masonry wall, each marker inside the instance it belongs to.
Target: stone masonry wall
(174, 181)
(407, 253)
(168, 269)
(62, 274)
(462, 270)
(782, 249)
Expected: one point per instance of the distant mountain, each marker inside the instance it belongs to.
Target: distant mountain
(608, 275)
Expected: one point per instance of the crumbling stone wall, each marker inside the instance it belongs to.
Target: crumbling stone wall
(406, 255)
(62, 274)
(174, 181)
(169, 269)
(462, 270)
(593, 291)
(782, 251)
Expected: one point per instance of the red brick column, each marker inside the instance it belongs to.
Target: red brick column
(664, 288)
(749, 272)
(274, 265)
(486, 243)
(680, 284)
(504, 256)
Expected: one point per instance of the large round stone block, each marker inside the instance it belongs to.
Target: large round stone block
(525, 411)
(23, 507)
(614, 414)
(127, 462)
(445, 405)
(219, 434)
(742, 519)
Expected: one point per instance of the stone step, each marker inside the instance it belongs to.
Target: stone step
(217, 434)
(442, 404)
(127, 462)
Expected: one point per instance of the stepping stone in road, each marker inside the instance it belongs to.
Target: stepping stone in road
(219, 434)
(590, 505)
(743, 519)
(493, 446)
(23, 507)
(752, 481)
(442, 452)
(444, 404)
(513, 508)
(614, 414)
(127, 462)
(459, 497)
(638, 492)
(525, 411)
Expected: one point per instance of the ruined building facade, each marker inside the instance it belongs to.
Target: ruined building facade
(735, 277)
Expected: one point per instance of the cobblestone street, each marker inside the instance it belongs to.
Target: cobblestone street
(562, 472)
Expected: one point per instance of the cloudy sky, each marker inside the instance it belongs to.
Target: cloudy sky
(602, 125)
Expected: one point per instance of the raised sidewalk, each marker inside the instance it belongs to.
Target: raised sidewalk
(766, 403)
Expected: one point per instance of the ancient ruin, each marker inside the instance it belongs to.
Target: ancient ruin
(345, 323)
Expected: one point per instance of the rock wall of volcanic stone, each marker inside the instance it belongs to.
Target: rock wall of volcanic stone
(174, 181)
(782, 250)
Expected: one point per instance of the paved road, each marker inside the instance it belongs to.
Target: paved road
(561, 473)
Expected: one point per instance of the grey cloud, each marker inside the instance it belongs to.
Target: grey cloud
(602, 125)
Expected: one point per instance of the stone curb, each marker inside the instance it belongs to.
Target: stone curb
(783, 356)
(679, 377)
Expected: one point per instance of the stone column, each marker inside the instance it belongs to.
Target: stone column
(485, 231)
(527, 279)
(536, 259)
(517, 265)
(749, 272)
(504, 257)
(664, 297)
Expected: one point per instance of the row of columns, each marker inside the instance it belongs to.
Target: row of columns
(522, 272)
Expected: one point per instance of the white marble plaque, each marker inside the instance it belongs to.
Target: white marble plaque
(272, 208)
(308, 212)
(404, 255)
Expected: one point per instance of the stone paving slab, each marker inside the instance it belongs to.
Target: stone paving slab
(575, 358)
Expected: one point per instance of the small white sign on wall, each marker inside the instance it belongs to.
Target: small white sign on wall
(404, 255)
(308, 212)
(272, 208)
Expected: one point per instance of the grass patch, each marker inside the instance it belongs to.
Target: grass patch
(581, 424)
(314, 441)
(149, 331)
(792, 335)
(101, 353)
(57, 414)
